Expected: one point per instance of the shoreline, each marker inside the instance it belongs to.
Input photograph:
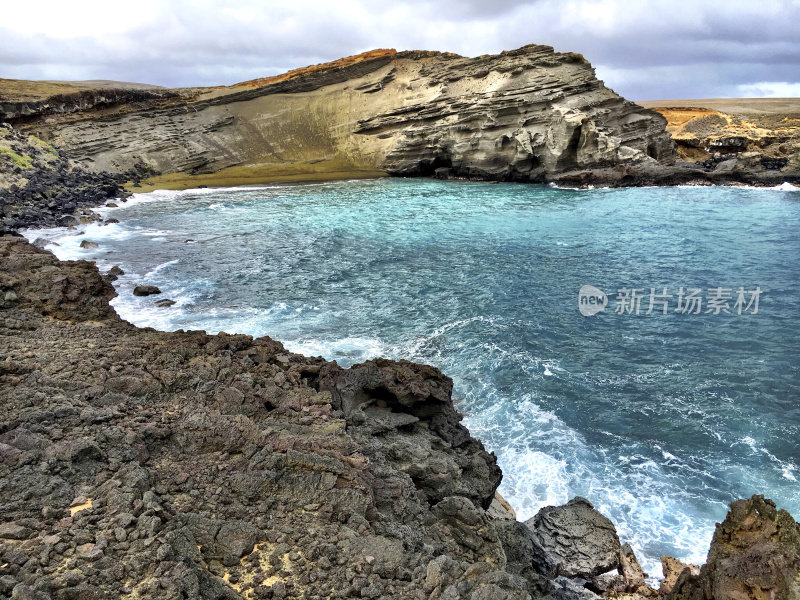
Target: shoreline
(245, 176)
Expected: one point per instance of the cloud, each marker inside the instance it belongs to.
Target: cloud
(649, 49)
(770, 89)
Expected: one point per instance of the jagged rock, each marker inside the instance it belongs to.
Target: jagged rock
(41, 243)
(630, 569)
(574, 540)
(146, 290)
(88, 244)
(754, 554)
(521, 556)
(672, 569)
(390, 398)
(164, 303)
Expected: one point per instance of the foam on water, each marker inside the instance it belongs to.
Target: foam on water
(659, 421)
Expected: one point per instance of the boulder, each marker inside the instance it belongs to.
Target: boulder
(574, 540)
(87, 244)
(114, 273)
(145, 290)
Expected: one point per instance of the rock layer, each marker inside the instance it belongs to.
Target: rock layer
(736, 137)
(524, 115)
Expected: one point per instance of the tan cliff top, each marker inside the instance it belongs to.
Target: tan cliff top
(335, 64)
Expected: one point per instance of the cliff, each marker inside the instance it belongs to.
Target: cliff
(524, 115)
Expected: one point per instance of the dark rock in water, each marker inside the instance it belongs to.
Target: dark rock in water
(110, 221)
(114, 273)
(145, 290)
(574, 540)
(88, 244)
(754, 554)
(112, 205)
(67, 221)
(164, 302)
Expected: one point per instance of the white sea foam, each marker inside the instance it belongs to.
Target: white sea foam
(161, 267)
(346, 351)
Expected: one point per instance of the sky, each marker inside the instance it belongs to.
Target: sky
(643, 49)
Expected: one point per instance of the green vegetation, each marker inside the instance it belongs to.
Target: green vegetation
(42, 144)
(23, 161)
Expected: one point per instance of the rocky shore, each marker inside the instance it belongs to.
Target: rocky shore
(138, 463)
(41, 187)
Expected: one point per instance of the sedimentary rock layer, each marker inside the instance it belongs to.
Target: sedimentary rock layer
(523, 115)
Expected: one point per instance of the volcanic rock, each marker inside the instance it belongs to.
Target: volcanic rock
(523, 115)
(574, 540)
(755, 553)
(145, 290)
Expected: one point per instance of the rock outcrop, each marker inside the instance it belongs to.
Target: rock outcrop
(39, 187)
(524, 115)
(759, 137)
(574, 540)
(755, 553)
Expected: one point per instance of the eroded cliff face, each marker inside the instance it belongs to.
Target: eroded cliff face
(524, 115)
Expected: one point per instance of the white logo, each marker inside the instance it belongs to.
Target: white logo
(591, 300)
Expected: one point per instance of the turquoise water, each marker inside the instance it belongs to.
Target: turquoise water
(660, 420)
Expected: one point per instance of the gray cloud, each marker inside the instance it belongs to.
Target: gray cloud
(650, 49)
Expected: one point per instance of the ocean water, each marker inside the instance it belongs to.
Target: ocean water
(659, 419)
